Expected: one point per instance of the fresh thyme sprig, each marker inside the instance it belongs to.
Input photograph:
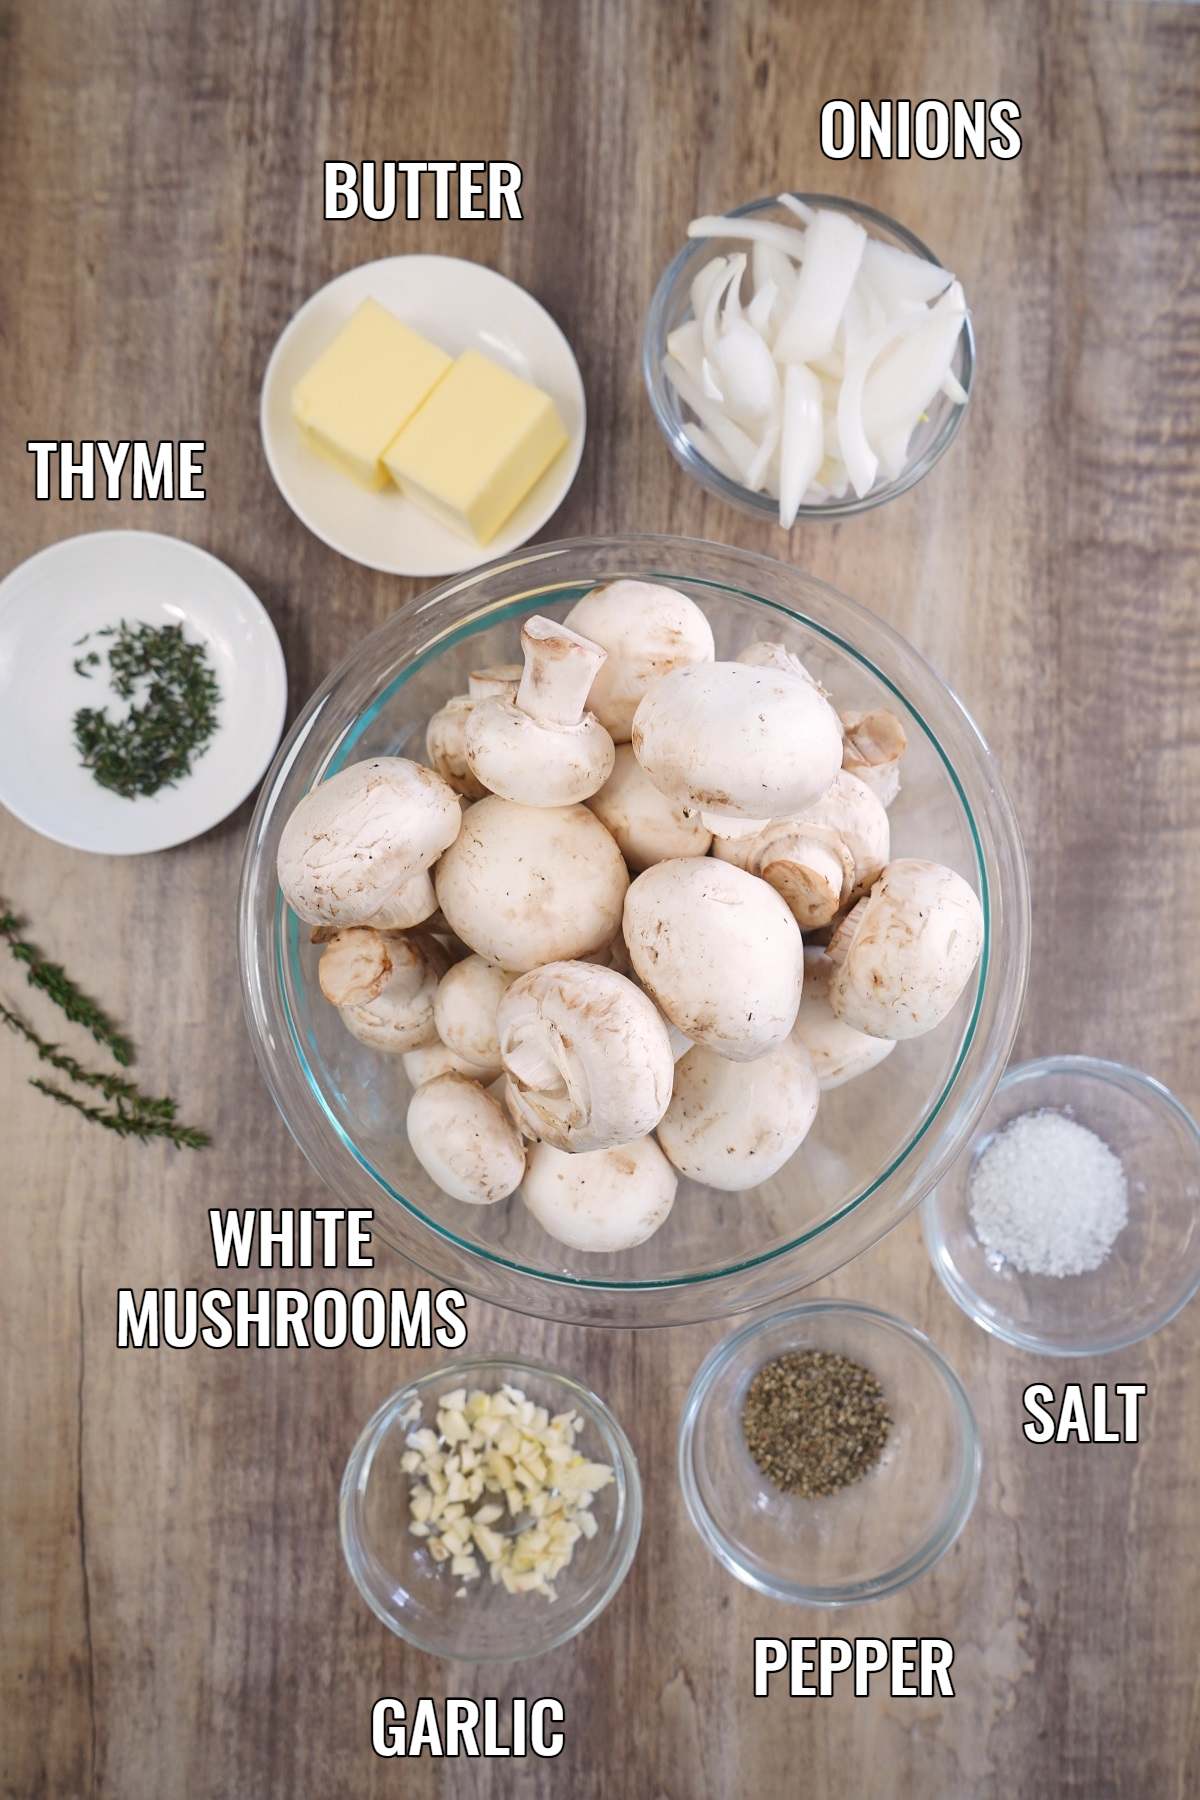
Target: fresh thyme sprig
(128, 1123)
(57, 985)
(113, 1087)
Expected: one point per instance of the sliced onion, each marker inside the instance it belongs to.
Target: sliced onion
(901, 384)
(704, 278)
(756, 473)
(709, 449)
(710, 321)
(954, 390)
(802, 444)
(747, 374)
(898, 275)
(835, 246)
(735, 443)
(762, 307)
(763, 231)
(687, 347)
(801, 208)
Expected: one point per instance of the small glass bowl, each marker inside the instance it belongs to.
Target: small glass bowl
(672, 305)
(1153, 1268)
(415, 1597)
(876, 1535)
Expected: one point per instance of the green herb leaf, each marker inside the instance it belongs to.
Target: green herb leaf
(54, 981)
(156, 743)
(128, 1122)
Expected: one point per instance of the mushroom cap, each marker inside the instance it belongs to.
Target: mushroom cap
(738, 743)
(820, 859)
(399, 1014)
(587, 1056)
(525, 885)
(464, 1010)
(838, 1052)
(732, 1125)
(648, 826)
(904, 954)
(446, 733)
(718, 952)
(532, 762)
(647, 630)
(601, 1200)
(357, 839)
(463, 1140)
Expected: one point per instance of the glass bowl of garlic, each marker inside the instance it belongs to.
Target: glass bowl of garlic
(490, 1510)
(807, 357)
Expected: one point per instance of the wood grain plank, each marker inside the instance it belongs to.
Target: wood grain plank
(175, 1617)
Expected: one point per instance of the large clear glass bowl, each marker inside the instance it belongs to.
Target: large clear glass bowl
(879, 1143)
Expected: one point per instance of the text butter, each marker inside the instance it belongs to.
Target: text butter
(476, 447)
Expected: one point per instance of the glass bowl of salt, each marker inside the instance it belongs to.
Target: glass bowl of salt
(1072, 1224)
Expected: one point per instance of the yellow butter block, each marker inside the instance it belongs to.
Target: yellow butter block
(476, 447)
(364, 387)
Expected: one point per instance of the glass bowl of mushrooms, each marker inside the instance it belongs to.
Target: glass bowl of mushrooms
(638, 926)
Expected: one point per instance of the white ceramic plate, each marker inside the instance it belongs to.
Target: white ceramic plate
(461, 306)
(79, 586)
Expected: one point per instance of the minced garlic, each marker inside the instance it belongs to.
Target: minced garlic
(505, 1446)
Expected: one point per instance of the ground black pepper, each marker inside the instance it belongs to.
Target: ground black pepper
(814, 1422)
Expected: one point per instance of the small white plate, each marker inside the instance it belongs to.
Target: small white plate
(81, 585)
(460, 306)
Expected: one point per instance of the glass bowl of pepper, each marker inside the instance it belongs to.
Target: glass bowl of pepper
(828, 1454)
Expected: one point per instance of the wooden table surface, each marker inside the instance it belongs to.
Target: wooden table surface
(174, 1613)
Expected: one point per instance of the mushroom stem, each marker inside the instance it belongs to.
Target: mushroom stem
(725, 825)
(560, 667)
(811, 869)
(846, 932)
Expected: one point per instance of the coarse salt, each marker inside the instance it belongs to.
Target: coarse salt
(1047, 1196)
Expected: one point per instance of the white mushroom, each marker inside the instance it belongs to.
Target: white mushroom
(431, 1060)
(587, 1056)
(872, 747)
(383, 984)
(542, 748)
(838, 1052)
(904, 954)
(356, 848)
(823, 858)
(718, 952)
(463, 1141)
(769, 653)
(647, 631)
(524, 885)
(732, 1125)
(445, 736)
(464, 1011)
(738, 744)
(602, 1200)
(647, 825)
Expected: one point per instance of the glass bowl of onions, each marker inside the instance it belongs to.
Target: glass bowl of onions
(878, 1142)
(807, 357)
